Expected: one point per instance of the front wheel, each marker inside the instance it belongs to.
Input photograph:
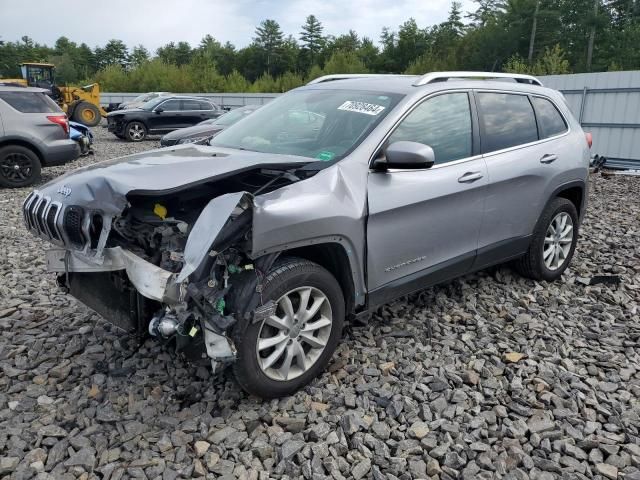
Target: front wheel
(135, 131)
(283, 353)
(553, 242)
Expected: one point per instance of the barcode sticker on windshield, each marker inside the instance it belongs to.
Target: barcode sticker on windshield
(361, 107)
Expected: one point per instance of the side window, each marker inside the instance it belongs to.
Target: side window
(443, 123)
(206, 106)
(190, 105)
(508, 121)
(550, 121)
(170, 105)
(29, 102)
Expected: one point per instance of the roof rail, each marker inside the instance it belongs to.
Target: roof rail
(443, 76)
(347, 76)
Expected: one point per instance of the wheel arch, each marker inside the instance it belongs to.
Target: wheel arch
(575, 192)
(5, 142)
(333, 257)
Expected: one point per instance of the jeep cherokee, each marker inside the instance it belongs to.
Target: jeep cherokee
(326, 203)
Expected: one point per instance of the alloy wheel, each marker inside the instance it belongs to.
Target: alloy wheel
(292, 339)
(558, 241)
(136, 132)
(16, 167)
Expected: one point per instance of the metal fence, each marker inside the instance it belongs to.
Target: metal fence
(225, 100)
(607, 105)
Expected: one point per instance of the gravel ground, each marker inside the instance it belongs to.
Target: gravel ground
(514, 379)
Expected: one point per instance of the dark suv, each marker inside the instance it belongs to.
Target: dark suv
(161, 115)
(34, 133)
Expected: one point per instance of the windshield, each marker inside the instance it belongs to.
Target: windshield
(152, 103)
(145, 97)
(321, 124)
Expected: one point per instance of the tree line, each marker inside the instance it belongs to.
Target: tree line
(525, 36)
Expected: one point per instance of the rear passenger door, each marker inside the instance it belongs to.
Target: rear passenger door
(192, 113)
(423, 224)
(523, 158)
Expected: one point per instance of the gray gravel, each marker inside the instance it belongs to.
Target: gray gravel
(80, 400)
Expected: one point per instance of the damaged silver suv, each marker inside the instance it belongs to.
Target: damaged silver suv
(328, 202)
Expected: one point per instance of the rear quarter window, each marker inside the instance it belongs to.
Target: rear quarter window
(550, 120)
(508, 120)
(30, 102)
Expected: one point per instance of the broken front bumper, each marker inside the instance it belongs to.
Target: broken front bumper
(127, 291)
(150, 281)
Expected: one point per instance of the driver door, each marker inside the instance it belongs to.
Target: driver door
(169, 118)
(423, 224)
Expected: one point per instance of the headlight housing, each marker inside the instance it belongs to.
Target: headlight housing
(194, 139)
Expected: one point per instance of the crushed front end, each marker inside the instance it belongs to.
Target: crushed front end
(161, 266)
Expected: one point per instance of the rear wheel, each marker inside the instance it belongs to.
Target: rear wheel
(135, 131)
(87, 114)
(19, 166)
(553, 242)
(283, 353)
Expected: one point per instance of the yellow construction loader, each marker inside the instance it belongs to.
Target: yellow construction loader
(81, 104)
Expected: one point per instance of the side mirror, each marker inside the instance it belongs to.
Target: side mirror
(159, 110)
(407, 155)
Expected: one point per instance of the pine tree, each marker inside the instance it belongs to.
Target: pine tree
(311, 37)
(139, 55)
(269, 39)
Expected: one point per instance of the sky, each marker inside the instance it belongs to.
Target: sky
(155, 23)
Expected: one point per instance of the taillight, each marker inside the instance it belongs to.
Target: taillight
(60, 120)
(589, 139)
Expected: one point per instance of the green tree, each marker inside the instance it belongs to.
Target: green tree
(269, 40)
(139, 55)
(412, 42)
(312, 41)
(488, 11)
(551, 62)
(344, 61)
(115, 52)
(66, 72)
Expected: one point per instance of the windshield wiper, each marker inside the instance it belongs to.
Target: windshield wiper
(288, 174)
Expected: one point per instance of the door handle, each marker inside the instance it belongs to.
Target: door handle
(470, 177)
(548, 158)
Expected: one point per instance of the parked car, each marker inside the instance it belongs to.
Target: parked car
(253, 251)
(140, 100)
(83, 136)
(161, 115)
(206, 129)
(34, 133)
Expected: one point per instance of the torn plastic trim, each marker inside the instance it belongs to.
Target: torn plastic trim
(220, 349)
(208, 227)
(151, 281)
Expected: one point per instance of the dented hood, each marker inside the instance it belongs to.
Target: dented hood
(104, 185)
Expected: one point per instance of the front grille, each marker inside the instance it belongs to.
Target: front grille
(40, 208)
(40, 216)
(51, 220)
(62, 225)
(72, 222)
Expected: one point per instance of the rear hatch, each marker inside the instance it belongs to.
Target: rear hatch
(37, 109)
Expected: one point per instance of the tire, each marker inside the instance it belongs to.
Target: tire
(290, 277)
(537, 263)
(135, 131)
(19, 167)
(87, 114)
